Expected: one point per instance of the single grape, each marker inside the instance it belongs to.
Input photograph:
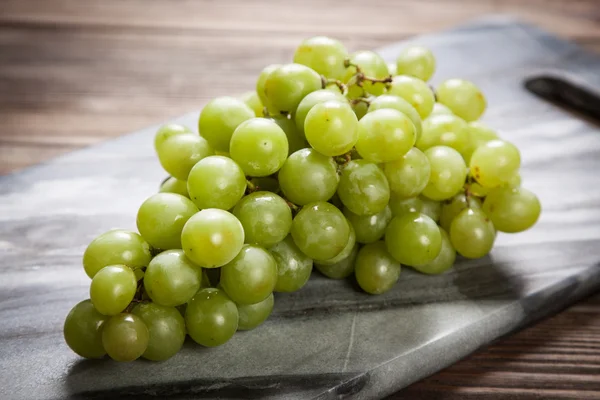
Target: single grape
(440, 109)
(174, 185)
(444, 130)
(287, 85)
(219, 118)
(259, 146)
(415, 91)
(83, 330)
(454, 206)
(171, 279)
(385, 135)
(211, 317)
(369, 228)
(167, 131)
(375, 269)
(360, 108)
(472, 234)
(161, 218)
(212, 238)
(320, 230)
(495, 163)
(416, 61)
(180, 153)
(344, 253)
(293, 266)
(431, 208)
(371, 65)
(311, 100)
(515, 181)
(363, 188)
(400, 205)
(125, 337)
(413, 239)
(443, 262)
(340, 270)
(392, 68)
(295, 139)
(252, 315)
(308, 176)
(512, 209)
(216, 182)
(463, 98)
(260, 87)
(251, 276)
(448, 173)
(324, 55)
(397, 103)
(116, 247)
(166, 328)
(478, 134)
(331, 127)
(266, 218)
(252, 100)
(112, 289)
(409, 175)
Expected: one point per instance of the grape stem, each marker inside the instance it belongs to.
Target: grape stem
(292, 206)
(251, 187)
(327, 82)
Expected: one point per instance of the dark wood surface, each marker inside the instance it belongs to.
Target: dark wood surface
(73, 73)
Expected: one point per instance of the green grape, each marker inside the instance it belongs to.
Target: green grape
(166, 328)
(252, 100)
(116, 247)
(360, 108)
(392, 68)
(409, 175)
(444, 130)
(293, 266)
(512, 209)
(324, 55)
(219, 118)
(174, 185)
(515, 181)
(161, 217)
(125, 337)
(171, 279)
(363, 188)
(416, 61)
(252, 315)
(478, 134)
(216, 182)
(451, 208)
(266, 218)
(308, 176)
(495, 163)
(212, 238)
(320, 230)
(167, 131)
(369, 228)
(180, 153)
(448, 173)
(371, 65)
(431, 208)
(375, 269)
(413, 239)
(331, 128)
(385, 135)
(443, 262)
(295, 139)
(472, 234)
(211, 317)
(342, 269)
(344, 253)
(477, 190)
(400, 205)
(287, 85)
(440, 109)
(267, 184)
(112, 289)
(259, 146)
(260, 86)
(311, 100)
(251, 276)
(397, 103)
(415, 91)
(83, 330)
(463, 98)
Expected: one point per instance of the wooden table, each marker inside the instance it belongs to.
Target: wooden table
(74, 73)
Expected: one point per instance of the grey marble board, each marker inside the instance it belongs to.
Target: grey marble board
(328, 340)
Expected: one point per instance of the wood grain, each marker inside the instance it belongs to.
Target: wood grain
(73, 73)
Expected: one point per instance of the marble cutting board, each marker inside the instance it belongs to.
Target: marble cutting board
(329, 340)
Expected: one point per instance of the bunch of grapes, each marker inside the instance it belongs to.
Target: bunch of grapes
(337, 160)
